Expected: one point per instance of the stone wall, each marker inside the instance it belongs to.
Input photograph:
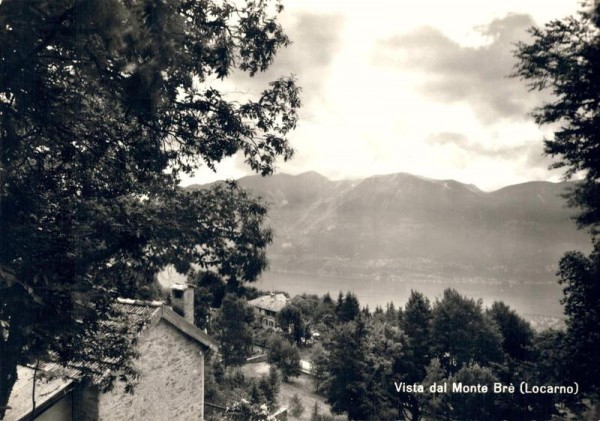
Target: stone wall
(171, 384)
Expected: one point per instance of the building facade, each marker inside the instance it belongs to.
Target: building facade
(268, 306)
(170, 364)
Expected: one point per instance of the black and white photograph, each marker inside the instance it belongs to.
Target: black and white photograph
(312, 210)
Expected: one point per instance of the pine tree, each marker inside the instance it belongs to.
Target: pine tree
(417, 326)
(347, 367)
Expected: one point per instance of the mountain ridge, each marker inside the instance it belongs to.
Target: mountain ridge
(401, 227)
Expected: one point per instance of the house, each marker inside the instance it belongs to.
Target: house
(170, 363)
(268, 306)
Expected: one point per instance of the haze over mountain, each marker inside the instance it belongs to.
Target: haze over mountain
(408, 228)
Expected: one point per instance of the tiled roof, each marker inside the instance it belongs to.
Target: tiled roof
(138, 311)
(58, 380)
(271, 302)
(149, 312)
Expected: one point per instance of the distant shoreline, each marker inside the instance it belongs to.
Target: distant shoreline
(540, 299)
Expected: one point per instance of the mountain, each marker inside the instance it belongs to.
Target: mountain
(405, 227)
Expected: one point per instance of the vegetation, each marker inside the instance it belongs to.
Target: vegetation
(360, 364)
(564, 58)
(285, 357)
(232, 330)
(368, 365)
(104, 105)
(295, 406)
(290, 321)
(242, 397)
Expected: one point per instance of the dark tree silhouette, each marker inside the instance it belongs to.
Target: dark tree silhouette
(104, 105)
(564, 58)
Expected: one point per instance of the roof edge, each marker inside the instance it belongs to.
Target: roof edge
(48, 403)
(188, 329)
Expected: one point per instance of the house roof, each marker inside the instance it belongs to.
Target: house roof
(48, 390)
(271, 302)
(151, 312)
(58, 381)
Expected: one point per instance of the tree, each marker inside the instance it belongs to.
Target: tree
(417, 326)
(434, 404)
(545, 364)
(104, 105)
(391, 314)
(202, 302)
(348, 307)
(270, 386)
(460, 406)
(314, 415)
(564, 57)
(284, 356)
(232, 327)
(580, 276)
(517, 335)
(290, 320)
(473, 406)
(319, 364)
(462, 334)
(296, 407)
(390, 364)
(347, 367)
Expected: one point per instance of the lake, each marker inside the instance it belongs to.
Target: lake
(525, 298)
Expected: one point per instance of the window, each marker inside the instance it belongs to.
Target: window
(177, 294)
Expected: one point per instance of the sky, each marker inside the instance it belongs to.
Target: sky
(409, 86)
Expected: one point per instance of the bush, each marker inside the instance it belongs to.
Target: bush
(296, 408)
(315, 416)
(270, 385)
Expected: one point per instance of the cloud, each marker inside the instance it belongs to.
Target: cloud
(529, 152)
(316, 39)
(477, 75)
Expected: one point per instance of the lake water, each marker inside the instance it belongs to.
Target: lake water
(525, 298)
(532, 299)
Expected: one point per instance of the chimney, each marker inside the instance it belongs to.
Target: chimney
(182, 300)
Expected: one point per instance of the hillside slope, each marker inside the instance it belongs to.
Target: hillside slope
(405, 227)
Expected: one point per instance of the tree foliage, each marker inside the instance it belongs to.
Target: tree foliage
(232, 330)
(104, 104)
(290, 320)
(564, 58)
(462, 334)
(347, 307)
(473, 406)
(580, 276)
(368, 367)
(347, 367)
(517, 335)
(285, 357)
(417, 326)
